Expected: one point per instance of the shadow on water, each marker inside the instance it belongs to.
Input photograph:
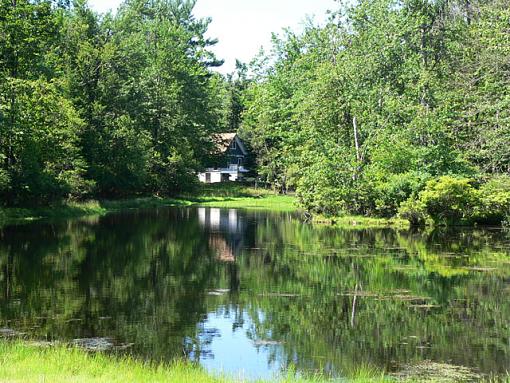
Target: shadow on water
(258, 292)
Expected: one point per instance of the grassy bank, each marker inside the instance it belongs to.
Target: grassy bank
(20, 362)
(236, 196)
(31, 363)
(80, 209)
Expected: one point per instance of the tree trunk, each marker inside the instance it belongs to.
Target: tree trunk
(14, 75)
(467, 5)
(356, 141)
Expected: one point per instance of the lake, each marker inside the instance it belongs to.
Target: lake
(255, 293)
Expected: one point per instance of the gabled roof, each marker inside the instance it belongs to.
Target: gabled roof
(223, 141)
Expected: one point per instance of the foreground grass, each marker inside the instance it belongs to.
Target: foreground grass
(27, 362)
(21, 362)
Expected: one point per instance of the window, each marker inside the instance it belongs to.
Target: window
(239, 161)
(233, 145)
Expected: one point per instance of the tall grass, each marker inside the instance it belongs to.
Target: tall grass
(22, 362)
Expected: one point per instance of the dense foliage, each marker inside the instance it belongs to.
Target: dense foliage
(358, 115)
(104, 105)
(363, 115)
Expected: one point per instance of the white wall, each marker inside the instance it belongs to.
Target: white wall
(215, 177)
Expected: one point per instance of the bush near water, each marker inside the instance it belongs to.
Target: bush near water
(455, 201)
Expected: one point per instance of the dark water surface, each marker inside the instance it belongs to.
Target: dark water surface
(252, 293)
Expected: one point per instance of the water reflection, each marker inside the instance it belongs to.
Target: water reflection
(226, 230)
(254, 292)
(233, 348)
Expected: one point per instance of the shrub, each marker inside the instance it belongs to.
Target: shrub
(449, 200)
(494, 201)
(329, 189)
(396, 190)
(414, 211)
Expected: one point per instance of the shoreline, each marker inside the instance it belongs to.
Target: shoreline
(265, 201)
(235, 198)
(227, 196)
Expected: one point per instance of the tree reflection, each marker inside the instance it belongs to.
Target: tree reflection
(319, 298)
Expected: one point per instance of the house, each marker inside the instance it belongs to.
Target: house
(232, 155)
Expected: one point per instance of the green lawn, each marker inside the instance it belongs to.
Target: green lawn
(264, 202)
(21, 362)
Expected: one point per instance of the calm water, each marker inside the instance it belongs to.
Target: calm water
(253, 293)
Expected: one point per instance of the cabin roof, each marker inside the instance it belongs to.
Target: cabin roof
(223, 140)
